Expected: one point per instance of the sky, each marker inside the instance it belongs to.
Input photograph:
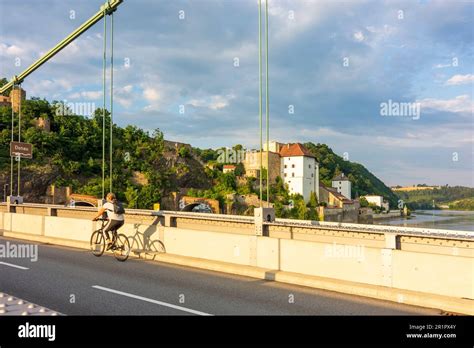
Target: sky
(388, 84)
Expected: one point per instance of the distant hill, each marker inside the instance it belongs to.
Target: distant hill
(456, 197)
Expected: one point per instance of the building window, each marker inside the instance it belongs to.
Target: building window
(285, 175)
(309, 166)
(293, 174)
(285, 166)
(292, 166)
(312, 175)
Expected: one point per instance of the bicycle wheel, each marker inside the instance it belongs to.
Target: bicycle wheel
(97, 243)
(121, 248)
(156, 247)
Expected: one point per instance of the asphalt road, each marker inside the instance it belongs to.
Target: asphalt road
(74, 282)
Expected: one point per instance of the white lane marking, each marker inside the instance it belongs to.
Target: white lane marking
(12, 265)
(184, 309)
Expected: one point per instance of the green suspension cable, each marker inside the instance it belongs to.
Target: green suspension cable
(12, 139)
(111, 94)
(19, 138)
(260, 94)
(267, 105)
(103, 114)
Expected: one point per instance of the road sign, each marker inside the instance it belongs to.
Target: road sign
(23, 150)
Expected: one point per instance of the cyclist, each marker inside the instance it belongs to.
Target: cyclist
(115, 215)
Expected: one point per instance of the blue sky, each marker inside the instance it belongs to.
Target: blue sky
(335, 62)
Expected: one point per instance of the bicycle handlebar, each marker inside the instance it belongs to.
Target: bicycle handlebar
(101, 219)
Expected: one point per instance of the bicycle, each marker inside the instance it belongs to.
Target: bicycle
(120, 245)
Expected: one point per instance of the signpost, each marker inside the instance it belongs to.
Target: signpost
(22, 150)
(19, 150)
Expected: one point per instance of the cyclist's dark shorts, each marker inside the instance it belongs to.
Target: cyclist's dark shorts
(114, 225)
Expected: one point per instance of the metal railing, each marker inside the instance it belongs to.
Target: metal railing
(336, 226)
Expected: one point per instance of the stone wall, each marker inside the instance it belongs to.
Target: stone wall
(252, 164)
(15, 96)
(57, 195)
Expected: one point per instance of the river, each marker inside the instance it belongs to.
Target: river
(442, 219)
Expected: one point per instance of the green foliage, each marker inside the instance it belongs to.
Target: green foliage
(184, 152)
(363, 202)
(423, 199)
(223, 184)
(3, 82)
(279, 209)
(363, 181)
(247, 188)
(239, 169)
(74, 148)
(463, 204)
(131, 195)
(206, 155)
(376, 209)
(312, 213)
(299, 210)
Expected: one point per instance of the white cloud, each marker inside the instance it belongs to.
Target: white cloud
(151, 94)
(359, 36)
(440, 137)
(291, 18)
(459, 104)
(11, 50)
(460, 79)
(48, 88)
(376, 35)
(86, 95)
(440, 66)
(124, 96)
(214, 102)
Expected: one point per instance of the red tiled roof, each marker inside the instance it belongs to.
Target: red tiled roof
(229, 166)
(297, 149)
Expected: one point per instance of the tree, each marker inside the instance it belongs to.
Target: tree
(363, 202)
(239, 169)
(301, 210)
(228, 180)
(238, 147)
(3, 82)
(131, 195)
(279, 209)
(312, 213)
(184, 152)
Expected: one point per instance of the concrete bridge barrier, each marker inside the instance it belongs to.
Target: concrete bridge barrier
(411, 266)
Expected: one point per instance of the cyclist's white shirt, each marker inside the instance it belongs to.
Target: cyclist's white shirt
(109, 208)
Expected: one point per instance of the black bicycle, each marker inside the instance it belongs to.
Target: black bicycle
(120, 245)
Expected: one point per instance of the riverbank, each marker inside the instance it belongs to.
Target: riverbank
(389, 215)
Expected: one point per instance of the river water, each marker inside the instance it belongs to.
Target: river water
(442, 219)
